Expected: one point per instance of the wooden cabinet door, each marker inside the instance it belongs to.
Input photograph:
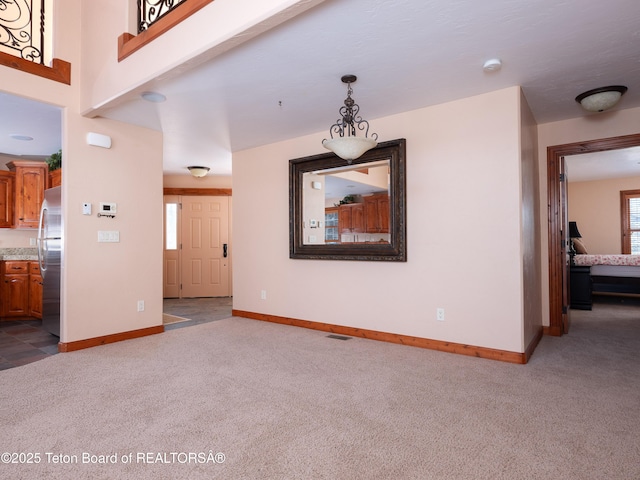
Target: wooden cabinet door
(351, 218)
(55, 178)
(15, 289)
(377, 214)
(383, 213)
(35, 290)
(344, 219)
(15, 296)
(7, 192)
(35, 296)
(357, 218)
(31, 179)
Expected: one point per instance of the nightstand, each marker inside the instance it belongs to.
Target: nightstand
(580, 287)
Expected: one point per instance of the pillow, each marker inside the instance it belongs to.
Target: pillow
(579, 246)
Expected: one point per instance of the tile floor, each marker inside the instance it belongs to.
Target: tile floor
(197, 310)
(25, 341)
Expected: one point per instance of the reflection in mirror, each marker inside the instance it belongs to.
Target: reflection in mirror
(347, 204)
(349, 211)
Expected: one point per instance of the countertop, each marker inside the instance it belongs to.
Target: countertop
(19, 254)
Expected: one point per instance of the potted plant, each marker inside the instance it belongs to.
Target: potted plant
(54, 161)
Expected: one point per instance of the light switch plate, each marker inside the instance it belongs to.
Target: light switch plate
(109, 236)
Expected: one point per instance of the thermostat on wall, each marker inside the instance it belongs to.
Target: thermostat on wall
(107, 209)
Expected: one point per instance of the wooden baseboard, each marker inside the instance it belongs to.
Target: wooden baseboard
(116, 337)
(552, 331)
(450, 347)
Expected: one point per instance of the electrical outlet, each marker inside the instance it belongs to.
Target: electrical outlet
(440, 314)
(141, 305)
(263, 294)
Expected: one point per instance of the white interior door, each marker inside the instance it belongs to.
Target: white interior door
(205, 255)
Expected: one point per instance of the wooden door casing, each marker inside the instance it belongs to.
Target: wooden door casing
(557, 279)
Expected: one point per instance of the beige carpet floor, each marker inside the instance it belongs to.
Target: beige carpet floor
(242, 399)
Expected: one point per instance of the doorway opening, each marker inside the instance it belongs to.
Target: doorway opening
(197, 246)
(557, 222)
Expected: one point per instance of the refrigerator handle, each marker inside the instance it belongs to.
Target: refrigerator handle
(40, 242)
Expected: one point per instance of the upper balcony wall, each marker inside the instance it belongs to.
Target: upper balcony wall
(65, 46)
(212, 30)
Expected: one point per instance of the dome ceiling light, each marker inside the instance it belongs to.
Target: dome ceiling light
(198, 171)
(601, 99)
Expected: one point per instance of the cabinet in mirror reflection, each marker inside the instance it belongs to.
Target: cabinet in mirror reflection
(351, 211)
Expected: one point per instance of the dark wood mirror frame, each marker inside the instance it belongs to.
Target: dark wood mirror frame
(396, 251)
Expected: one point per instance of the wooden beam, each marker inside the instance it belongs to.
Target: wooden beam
(215, 192)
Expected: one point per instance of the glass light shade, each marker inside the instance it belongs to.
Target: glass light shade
(199, 171)
(349, 148)
(599, 102)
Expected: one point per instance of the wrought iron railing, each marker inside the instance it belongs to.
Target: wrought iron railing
(150, 11)
(22, 29)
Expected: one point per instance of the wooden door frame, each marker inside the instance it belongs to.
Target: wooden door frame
(556, 258)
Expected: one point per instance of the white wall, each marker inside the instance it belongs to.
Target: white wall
(464, 204)
(189, 181)
(102, 282)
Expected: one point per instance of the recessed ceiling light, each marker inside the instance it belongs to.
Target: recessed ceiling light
(492, 65)
(24, 138)
(153, 97)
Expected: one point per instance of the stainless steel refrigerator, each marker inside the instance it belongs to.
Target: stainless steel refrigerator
(50, 258)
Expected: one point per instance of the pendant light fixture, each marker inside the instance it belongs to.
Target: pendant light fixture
(601, 99)
(346, 144)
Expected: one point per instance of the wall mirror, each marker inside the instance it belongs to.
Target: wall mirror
(349, 211)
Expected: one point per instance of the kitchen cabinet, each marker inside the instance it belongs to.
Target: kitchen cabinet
(351, 218)
(55, 178)
(15, 288)
(376, 213)
(35, 290)
(30, 182)
(7, 193)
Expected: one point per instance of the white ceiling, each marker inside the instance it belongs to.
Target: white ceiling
(407, 54)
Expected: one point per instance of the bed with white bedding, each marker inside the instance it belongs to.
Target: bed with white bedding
(612, 273)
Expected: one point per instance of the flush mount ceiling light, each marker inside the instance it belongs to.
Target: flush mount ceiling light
(198, 171)
(153, 97)
(23, 138)
(346, 144)
(601, 99)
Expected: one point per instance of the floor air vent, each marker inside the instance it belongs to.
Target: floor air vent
(338, 337)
